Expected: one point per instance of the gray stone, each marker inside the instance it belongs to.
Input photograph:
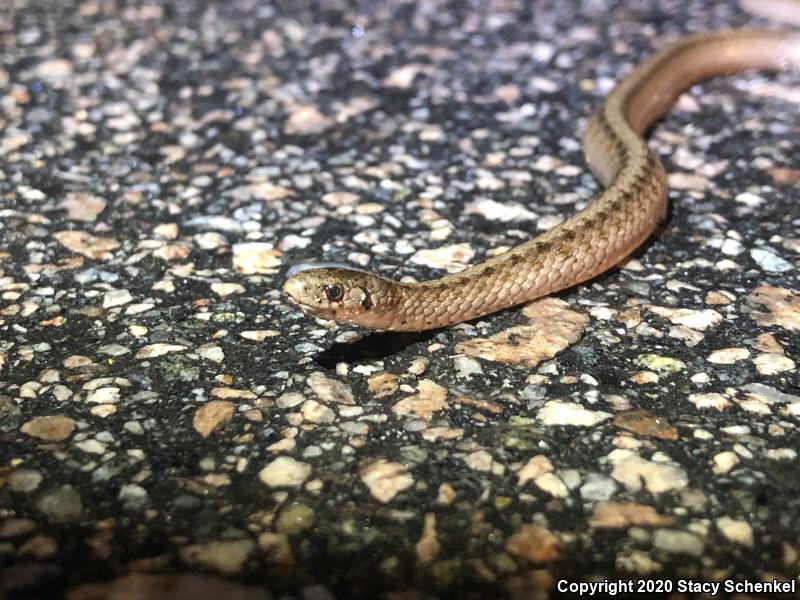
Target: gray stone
(61, 504)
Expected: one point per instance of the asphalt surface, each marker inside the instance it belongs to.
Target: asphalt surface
(171, 428)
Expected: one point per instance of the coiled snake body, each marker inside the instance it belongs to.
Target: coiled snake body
(607, 230)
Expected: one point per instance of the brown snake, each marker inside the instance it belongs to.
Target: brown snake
(607, 230)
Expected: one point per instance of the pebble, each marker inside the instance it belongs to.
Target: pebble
(736, 531)
(253, 258)
(598, 487)
(644, 377)
(783, 306)
(285, 471)
(534, 543)
(768, 395)
(330, 390)
(156, 350)
(39, 546)
(772, 364)
(354, 428)
(451, 258)
(210, 240)
(552, 484)
(429, 399)
(385, 479)
(645, 423)
(314, 412)
(53, 428)
(103, 395)
(694, 319)
(728, 356)
(557, 412)
(337, 199)
(306, 120)
(116, 298)
(709, 400)
(61, 504)
(674, 541)
(75, 361)
(402, 77)
(552, 328)
(633, 472)
(212, 416)
(133, 496)
(767, 343)
(732, 247)
(289, 400)
(12, 528)
(211, 352)
(82, 207)
(224, 290)
(225, 556)
(428, 545)
(724, 462)
(664, 365)
(113, 350)
(382, 384)
(770, 262)
(80, 242)
(480, 461)
(276, 549)
(418, 366)
(626, 514)
(534, 468)
(25, 480)
(226, 393)
(263, 191)
(215, 223)
(688, 181)
(508, 212)
(295, 519)
(466, 366)
(91, 446)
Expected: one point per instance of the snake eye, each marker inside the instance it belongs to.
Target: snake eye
(333, 292)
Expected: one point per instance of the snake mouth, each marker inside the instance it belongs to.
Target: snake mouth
(290, 300)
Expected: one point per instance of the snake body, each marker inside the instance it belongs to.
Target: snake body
(607, 230)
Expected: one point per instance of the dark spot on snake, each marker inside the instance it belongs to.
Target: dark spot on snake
(544, 246)
(515, 259)
(488, 272)
(367, 301)
(567, 235)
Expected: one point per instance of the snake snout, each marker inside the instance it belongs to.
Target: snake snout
(294, 290)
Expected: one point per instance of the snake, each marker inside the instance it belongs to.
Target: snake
(606, 231)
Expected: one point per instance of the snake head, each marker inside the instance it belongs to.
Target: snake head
(341, 294)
